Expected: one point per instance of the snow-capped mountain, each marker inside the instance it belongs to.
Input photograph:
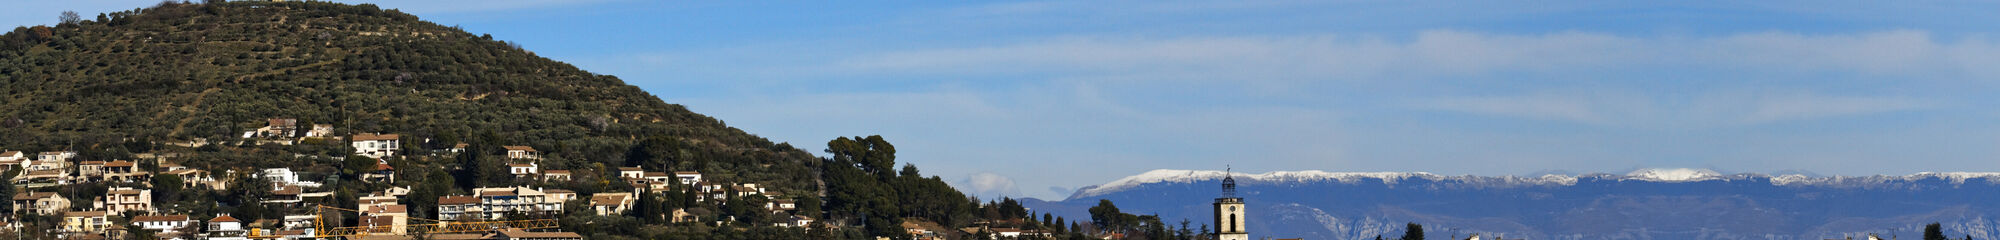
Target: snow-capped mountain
(1642, 204)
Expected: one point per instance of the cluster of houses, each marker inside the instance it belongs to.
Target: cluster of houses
(381, 213)
(58, 168)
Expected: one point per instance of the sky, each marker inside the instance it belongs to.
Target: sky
(1038, 98)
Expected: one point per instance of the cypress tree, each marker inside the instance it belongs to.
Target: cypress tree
(1413, 232)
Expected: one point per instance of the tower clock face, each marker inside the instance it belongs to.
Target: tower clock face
(1232, 208)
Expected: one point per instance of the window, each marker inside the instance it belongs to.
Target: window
(1232, 223)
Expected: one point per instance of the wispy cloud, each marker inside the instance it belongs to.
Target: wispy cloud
(1654, 110)
(1441, 53)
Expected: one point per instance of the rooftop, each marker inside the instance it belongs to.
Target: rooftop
(375, 137)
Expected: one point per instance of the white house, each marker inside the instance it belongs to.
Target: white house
(522, 170)
(52, 161)
(226, 228)
(163, 223)
(320, 131)
(125, 199)
(522, 152)
(376, 145)
(688, 177)
(9, 156)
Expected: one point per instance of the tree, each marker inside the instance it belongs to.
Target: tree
(166, 188)
(69, 18)
(647, 208)
(1412, 231)
(1107, 216)
(809, 206)
(7, 187)
(355, 165)
(1934, 231)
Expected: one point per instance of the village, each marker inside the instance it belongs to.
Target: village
(487, 213)
(127, 206)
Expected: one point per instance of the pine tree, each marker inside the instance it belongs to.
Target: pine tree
(1934, 231)
(1413, 232)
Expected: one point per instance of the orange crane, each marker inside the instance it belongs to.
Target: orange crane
(431, 226)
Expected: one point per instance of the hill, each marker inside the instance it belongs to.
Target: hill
(1645, 204)
(165, 79)
(192, 84)
(186, 72)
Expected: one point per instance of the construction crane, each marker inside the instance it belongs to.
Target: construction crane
(430, 226)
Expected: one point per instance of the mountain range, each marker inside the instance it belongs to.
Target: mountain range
(1642, 204)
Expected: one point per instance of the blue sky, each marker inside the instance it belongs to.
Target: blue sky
(1039, 98)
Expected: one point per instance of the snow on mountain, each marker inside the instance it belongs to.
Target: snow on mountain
(1674, 174)
(1651, 174)
(1187, 176)
(1640, 204)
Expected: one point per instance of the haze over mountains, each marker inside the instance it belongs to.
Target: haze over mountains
(1643, 204)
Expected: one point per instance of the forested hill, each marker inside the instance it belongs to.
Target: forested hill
(180, 72)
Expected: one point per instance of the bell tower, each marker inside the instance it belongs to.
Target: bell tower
(1229, 215)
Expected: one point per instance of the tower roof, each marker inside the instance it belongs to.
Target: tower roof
(1228, 183)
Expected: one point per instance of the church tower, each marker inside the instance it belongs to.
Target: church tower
(1229, 212)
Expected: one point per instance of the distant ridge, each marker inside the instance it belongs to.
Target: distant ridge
(1639, 204)
(1668, 175)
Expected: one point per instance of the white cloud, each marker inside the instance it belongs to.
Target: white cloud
(989, 185)
(1652, 110)
(1442, 53)
(1589, 109)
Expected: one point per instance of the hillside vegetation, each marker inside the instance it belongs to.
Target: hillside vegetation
(183, 82)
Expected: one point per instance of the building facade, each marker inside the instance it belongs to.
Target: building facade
(1229, 213)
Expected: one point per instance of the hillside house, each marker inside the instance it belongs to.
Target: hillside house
(58, 176)
(125, 199)
(781, 205)
(499, 203)
(452, 208)
(124, 171)
(224, 227)
(659, 177)
(688, 177)
(522, 153)
(631, 172)
(285, 176)
(523, 170)
(382, 173)
(376, 145)
(52, 161)
(12, 159)
(555, 175)
(90, 169)
(320, 131)
(795, 221)
(164, 224)
(608, 204)
(278, 128)
(43, 203)
(194, 178)
(12, 156)
(681, 215)
(88, 222)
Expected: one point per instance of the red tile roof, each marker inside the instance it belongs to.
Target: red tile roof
(160, 218)
(119, 163)
(455, 200)
(32, 195)
(373, 137)
(223, 218)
